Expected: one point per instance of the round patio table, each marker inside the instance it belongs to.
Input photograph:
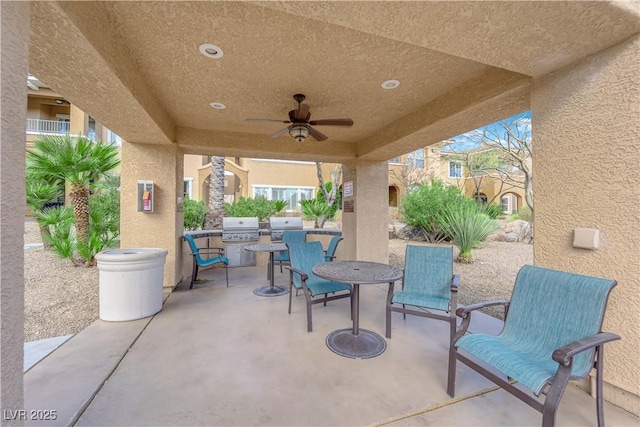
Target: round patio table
(354, 342)
(269, 290)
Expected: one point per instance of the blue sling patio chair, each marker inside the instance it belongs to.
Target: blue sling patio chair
(304, 256)
(200, 262)
(330, 253)
(428, 285)
(289, 236)
(552, 333)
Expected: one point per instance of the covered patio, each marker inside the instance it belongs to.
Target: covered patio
(223, 356)
(138, 68)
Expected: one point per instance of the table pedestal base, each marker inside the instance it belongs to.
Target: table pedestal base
(270, 291)
(365, 345)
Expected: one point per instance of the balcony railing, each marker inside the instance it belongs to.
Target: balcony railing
(47, 126)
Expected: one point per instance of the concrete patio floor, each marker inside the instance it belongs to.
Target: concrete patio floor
(223, 356)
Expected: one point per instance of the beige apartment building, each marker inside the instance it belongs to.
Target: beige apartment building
(294, 181)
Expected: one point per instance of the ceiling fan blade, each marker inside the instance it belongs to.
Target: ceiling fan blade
(319, 136)
(332, 122)
(279, 133)
(302, 113)
(267, 120)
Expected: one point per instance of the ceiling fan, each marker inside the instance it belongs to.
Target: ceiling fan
(300, 128)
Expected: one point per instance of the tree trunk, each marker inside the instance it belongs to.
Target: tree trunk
(329, 196)
(80, 200)
(44, 233)
(213, 219)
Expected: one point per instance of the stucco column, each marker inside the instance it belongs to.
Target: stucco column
(163, 165)
(78, 121)
(586, 135)
(365, 215)
(14, 36)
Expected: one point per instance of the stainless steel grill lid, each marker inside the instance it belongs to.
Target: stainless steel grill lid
(280, 224)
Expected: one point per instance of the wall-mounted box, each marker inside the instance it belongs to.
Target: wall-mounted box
(145, 196)
(586, 238)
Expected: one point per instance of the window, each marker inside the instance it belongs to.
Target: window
(394, 160)
(455, 170)
(91, 129)
(188, 188)
(481, 197)
(293, 195)
(506, 204)
(416, 159)
(113, 138)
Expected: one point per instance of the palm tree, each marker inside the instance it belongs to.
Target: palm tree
(78, 161)
(213, 219)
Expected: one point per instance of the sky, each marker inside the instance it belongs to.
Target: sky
(472, 139)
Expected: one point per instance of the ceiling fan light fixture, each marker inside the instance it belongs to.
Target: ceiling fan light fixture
(299, 132)
(211, 51)
(390, 84)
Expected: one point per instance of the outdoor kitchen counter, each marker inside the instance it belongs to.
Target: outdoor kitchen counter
(265, 232)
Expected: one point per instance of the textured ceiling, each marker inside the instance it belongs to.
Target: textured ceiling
(135, 66)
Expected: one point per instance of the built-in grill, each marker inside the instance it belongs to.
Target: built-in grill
(279, 224)
(238, 232)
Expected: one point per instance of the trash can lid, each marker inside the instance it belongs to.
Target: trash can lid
(131, 254)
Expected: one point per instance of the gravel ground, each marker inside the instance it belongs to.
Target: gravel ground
(62, 299)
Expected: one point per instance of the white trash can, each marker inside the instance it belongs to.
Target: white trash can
(130, 283)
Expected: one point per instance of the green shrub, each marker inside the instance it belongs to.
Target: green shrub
(245, 206)
(493, 211)
(423, 205)
(314, 210)
(194, 214)
(59, 222)
(280, 205)
(523, 213)
(104, 218)
(466, 226)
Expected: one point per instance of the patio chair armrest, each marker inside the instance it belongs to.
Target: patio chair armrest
(302, 274)
(455, 281)
(564, 354)
(465, 310)
(208, 251)
(332, 257)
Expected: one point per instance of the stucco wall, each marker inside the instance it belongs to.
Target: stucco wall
(14, 30)
(587, 141)
(163, 228)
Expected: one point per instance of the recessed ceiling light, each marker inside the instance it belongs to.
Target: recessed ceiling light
(211, 51)
(390, 84)
(218, 105)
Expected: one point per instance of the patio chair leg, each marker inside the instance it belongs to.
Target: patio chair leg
(404, 315)
(388, 334)
(226, 273)
(325, 303)
(451, 377)
(290, 291)
(194, 273)
(599, 406)
(309, 321)
(556, 390)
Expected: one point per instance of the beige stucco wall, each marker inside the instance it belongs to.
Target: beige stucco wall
(14, 33)
(587, 140)
(279, 173)
(163, 228)
(191, 165)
